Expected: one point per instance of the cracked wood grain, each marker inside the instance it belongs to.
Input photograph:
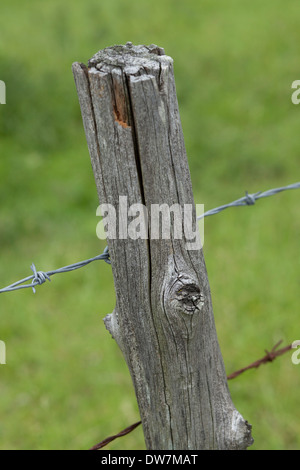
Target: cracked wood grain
(163, 320)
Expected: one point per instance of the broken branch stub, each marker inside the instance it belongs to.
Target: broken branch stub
(163, 320)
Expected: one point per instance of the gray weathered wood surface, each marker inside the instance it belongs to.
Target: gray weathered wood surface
(163, 320)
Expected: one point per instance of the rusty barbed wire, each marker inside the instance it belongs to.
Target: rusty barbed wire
(112, 438)
(269, 357)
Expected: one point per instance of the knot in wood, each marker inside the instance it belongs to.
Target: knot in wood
(186, 296)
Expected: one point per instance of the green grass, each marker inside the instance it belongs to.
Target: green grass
(65, 385)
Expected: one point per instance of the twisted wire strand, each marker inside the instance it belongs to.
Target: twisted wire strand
(249, 199)
(40, 277)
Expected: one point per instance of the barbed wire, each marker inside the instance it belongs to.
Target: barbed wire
(115, 436)
(40, 277)
(269, 357)
(249, 199)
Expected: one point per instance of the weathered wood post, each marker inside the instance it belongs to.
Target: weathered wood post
(163, 320)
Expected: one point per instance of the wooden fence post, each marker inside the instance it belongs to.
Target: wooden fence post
(163, 320)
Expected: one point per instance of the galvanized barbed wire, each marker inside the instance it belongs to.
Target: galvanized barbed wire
(40, 277)
(249, 199)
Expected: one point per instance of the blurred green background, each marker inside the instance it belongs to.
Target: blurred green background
(65, 385)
